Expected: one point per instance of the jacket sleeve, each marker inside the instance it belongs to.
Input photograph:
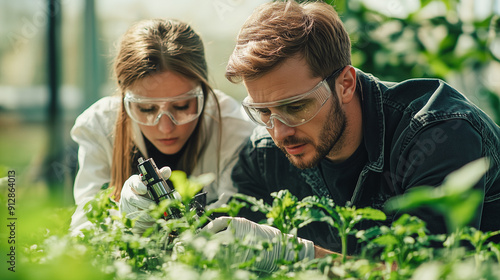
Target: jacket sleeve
(432, 154)
(93, 134)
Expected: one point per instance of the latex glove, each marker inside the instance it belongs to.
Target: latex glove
(255, 233)
(134, 202)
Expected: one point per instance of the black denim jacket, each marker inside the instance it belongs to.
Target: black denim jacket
(416, 132)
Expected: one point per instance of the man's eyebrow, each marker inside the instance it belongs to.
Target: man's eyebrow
(293, 102)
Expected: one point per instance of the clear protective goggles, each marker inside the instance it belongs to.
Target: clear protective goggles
(292, 111)
(180, 109)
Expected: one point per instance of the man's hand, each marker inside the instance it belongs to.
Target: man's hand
(253, 233)
(133, 203)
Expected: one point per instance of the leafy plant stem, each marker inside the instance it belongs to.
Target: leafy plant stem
(343, 238)
(455, 244)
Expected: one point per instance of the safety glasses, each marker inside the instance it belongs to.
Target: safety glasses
(292, 111)
(181, 109)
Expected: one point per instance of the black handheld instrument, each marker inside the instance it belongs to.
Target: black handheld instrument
(158, 189)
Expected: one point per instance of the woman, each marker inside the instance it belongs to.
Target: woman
(166, 110)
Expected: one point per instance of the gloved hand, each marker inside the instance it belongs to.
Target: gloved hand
(255, 233)
(133, 204)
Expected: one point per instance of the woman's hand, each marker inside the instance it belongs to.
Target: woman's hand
(134, 201)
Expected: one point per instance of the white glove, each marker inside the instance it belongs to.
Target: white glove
(133, 203)
(254, 233)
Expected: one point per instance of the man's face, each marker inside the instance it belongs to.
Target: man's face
(306, 144)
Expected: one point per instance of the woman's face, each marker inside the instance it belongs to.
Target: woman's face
(166, 136)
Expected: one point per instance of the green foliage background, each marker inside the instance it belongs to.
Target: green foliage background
(438, 40)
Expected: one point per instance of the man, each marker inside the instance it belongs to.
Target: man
(330, 130)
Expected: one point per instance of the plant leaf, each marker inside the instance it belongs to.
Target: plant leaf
(466, 177)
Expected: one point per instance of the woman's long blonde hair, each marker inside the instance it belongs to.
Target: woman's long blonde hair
(150, 47)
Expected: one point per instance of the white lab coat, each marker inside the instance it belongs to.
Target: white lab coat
(93, 131)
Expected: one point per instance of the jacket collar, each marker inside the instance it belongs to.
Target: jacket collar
(370, 89)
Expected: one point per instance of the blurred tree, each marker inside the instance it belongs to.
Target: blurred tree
(57, 170)
(54, 153)
(92, 60)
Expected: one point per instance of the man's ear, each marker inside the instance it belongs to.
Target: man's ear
(346, 84)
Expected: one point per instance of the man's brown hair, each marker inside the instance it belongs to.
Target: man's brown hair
(280, 30)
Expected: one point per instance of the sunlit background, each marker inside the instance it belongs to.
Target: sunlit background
(87, 39)
(42, 92)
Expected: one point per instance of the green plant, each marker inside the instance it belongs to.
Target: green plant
(109, 249)
(479, 240)
(287, 214)
(405, 244)
(455, 199)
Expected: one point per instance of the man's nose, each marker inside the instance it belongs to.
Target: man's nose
(280, 131)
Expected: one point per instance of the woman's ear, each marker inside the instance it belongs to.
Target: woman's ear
(346, 84)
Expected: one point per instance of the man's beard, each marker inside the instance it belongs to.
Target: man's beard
(331, 139)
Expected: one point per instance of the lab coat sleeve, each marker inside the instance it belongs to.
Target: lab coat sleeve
(93, 133)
